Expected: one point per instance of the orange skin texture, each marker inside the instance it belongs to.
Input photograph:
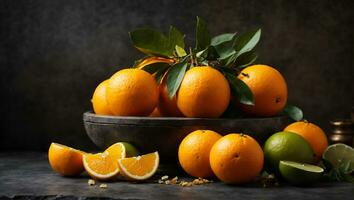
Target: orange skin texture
(269, 90)
(132, 92)
(204, 92)
(194, 152)
(236, 159)
(155, 113)
(64, 160)
(99, 102)
(167, 106)
(313, 134)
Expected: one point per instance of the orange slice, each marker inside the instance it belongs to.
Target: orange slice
(140, 167)
(101, 166)
(65, 160)
(116, 151)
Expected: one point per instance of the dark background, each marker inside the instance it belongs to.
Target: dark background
(54, 53)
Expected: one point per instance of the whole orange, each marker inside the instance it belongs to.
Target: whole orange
(132, 92)
(269, 90)
(98, 100)
(66, 161)
(204, 92)
(236, 158)
(194, 151)
(167, 106)
(313, 134)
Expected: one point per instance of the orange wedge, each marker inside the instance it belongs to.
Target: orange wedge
(140, 167)
(116, 151)
(65, 160)
(101, 166)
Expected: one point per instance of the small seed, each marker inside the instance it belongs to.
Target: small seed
(104, 186)
(164, 178)
(167, 182)
(184, 184)
(91, 182)
(160, 182)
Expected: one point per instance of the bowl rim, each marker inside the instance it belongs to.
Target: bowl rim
(90, 117)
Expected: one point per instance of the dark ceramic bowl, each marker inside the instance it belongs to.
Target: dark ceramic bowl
(164, 134)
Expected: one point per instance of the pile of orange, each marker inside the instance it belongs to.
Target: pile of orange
(234, 158)
(119, 158)
(203, 92)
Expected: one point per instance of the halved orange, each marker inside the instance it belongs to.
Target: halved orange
(65, 160)
(101, 166)
(140, 167)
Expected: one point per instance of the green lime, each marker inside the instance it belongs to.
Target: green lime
(299, 173)
(130, 150)
(286, 146)
(340, 153)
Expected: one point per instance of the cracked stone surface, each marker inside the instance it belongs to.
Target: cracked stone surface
(27, 175)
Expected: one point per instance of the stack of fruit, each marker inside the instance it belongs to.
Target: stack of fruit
(293, 155)
(214, 79)
(215, 76)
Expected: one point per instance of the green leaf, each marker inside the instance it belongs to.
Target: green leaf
(240, 89)
(293, 112)
(176, 38)
(247, 41)
(226, 37)
(245, 59)
(175, 77)
(180, 51)
(154, 67)
(202, 35)
(151, 42)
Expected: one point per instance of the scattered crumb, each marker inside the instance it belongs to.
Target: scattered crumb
(91, 182)
(164, 178)
(167, 182)
(104, 186)
(174, 180)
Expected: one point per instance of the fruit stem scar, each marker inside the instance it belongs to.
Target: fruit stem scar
(277, 99)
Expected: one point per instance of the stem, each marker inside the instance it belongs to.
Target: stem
(192, 58)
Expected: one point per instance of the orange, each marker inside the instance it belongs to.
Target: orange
(66, 161)
(152, 60)
(155, 113)
(194, 151)
(167, 105)
(101, 166)
(269, 90)
(140, 167)
(313, 134)
(204, 92)
(132, 92)
(98, 100)
(116, 151)
(236, 158)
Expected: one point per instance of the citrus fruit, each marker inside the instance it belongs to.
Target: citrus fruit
(66, 161)
(101, 166)
(313, 134)
(194, 152)
(204, 92)
(269, 90)
(98, 100)
(140, 167)
(338, 154)
(155, 113)
(132, 92)
(236, 158)
(299, 173)
(121, 150)
(286, 146)
(167, 105)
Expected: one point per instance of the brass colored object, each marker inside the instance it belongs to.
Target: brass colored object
(342, 131)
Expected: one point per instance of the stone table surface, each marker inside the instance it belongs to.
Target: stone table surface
(27, 175)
